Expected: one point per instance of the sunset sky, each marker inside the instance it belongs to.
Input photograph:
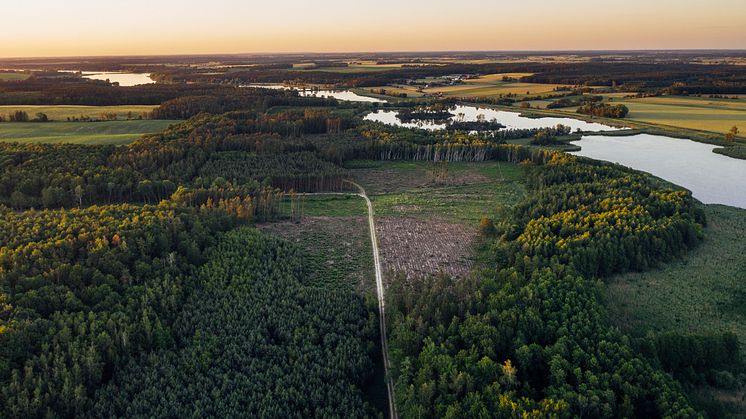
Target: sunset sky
(107, 27)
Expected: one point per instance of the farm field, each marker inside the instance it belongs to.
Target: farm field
(496, 78)
(13, 76)
(357, 67)
(700, 293)
(109, 132)
(410, 91)
(697, 113)
(473, 88)
(63, 112)
(716, 115)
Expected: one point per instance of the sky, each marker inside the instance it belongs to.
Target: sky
(143, 27)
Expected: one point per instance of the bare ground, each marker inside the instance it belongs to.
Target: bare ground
(419, 247)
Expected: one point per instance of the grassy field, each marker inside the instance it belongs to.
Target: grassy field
(13, 76)
(496, 78)
(493, 89)
(470, 191)
(356, 67)
(700, 293)
(330, 206)
(696, 113)
(111, 132)
(63, 112)
(716, 115)
(411, 91)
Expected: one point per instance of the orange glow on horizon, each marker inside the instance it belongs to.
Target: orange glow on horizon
(90, 27)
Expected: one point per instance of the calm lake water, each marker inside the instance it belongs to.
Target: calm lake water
(509, 119)
(712, 178)
(346, 95)
(124, 79)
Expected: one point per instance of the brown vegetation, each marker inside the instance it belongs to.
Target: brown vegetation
(418, 247)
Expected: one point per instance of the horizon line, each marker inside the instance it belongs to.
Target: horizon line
(287, 53)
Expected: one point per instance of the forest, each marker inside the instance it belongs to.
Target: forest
(134, 282)
(528, 336)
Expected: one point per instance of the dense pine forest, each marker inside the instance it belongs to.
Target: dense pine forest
(133, 282)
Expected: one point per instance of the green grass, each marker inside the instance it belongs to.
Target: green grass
(111, 132)
(715, 115)
(736, 151)
(63, 112)
(695, 113)
(493, 89)
(471, 191)
(330, 206)
(13, 76)
(701, 293)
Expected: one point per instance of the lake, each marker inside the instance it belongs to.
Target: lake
(510, 119)
(346, 95)
(712, 178)
(124, 79)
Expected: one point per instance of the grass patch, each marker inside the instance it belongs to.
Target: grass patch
(701, 293)
(493, 89)
(63, 112)
(5, 76)
(330, 206)
(715, 115)
(110, 132)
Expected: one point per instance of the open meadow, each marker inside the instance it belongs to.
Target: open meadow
(494, 85)
(699, 113)
(714, 115)
(467, 193)
(105, 132)
(703, 292)
(10, 76)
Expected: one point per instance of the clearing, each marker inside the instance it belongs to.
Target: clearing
(427, 226)
(418, 247)
(466, 193)
(338, 248)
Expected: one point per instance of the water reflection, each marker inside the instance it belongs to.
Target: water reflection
(512, 120)
(712, 178)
